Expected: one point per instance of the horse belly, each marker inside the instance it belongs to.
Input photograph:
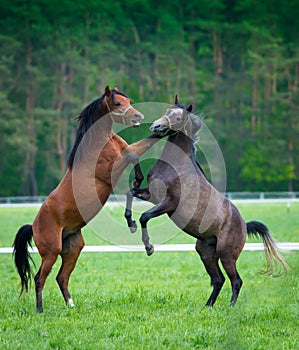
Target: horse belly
(197, 222)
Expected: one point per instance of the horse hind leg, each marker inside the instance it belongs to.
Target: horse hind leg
(207, 252)
(229, 266)
(48, 260)
(71, 249)
(228, 260)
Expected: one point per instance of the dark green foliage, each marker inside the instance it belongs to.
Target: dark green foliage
(237, 61)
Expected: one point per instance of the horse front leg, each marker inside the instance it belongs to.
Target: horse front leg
(134, 159)
(138, 176)
(134, 151)
(139, 193)
(162, 208)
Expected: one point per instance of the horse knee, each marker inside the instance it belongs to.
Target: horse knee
(145, 217)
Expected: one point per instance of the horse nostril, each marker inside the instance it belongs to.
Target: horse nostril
(155, 127)
(139, 116)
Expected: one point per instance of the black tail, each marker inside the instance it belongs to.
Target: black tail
(272, 252)
(22, 256)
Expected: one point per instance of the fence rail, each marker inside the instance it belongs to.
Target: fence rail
(246, 196)
(262, 195)
(284, 246)
(22, 199)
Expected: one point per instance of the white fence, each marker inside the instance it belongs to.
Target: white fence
(263, 196)
(234, 196)
(283, 246)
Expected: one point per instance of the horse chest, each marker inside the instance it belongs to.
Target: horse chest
(105, 162)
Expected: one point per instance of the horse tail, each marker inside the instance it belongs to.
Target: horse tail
(22, 256)
(271, 250)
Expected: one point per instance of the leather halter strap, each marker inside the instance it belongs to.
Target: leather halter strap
(117, 114)
(183, 126)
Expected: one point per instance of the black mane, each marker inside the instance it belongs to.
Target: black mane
(193, 148)
(89, 115)
(178, 105)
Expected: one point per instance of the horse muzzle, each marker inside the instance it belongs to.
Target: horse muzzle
(136, 120)
(159, 129)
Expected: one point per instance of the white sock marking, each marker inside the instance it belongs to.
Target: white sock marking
(71, 303)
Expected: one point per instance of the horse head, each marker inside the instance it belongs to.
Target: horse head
(119, 107)
(177, 118)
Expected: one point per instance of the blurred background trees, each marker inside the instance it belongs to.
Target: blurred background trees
(235, 60)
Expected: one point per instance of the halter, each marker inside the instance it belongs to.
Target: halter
(122, 115)
(183, 126)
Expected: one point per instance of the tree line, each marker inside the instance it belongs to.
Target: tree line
(235, 60)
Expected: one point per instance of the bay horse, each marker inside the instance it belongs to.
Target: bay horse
(92, 171)
(178, 187)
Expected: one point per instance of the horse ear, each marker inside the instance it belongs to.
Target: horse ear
(189, 109)
(176, 100)
(107, 91)
(115, 88)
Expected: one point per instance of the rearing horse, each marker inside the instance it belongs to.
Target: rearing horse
(96, 162)
(178, 188)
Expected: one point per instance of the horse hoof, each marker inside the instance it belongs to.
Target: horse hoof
(150, 250)
(133, 228)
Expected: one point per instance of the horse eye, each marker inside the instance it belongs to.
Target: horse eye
(178, 118)
(117, 104)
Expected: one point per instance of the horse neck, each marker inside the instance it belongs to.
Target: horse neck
(99, 131)
(105, 129)
(184, 142)
(101, 118)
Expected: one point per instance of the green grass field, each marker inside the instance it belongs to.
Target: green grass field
(131, 301)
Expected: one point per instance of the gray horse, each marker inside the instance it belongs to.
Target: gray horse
(178, 187)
